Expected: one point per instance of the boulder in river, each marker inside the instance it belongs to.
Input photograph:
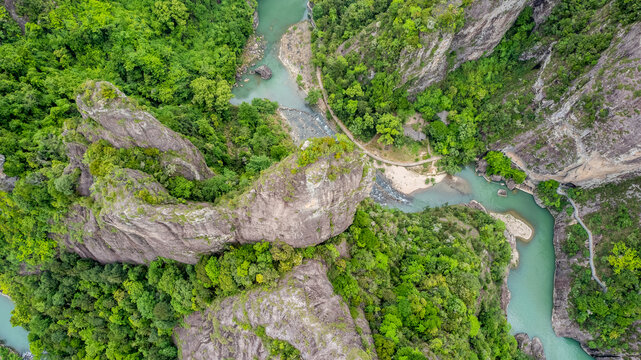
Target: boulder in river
(532, 347)
(264, 71)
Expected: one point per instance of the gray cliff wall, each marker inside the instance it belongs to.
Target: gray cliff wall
(486, 22)
(609, 148)
(301, 310)
(300, 208)
(112, 116)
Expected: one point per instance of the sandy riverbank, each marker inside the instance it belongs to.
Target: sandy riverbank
(407, 181)
(515, 225)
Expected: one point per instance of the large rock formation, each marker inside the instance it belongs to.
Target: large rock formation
(589, 147)
(301, 310)
(112, 116)
(531, 347)
(486, 21)
(561, 322)
(133, 218)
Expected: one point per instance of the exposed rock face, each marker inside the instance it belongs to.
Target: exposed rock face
(486, 21)
(532, 347)
(427, 65)
(6, 183)
(75, 151)
(10, 5)
(264, 71)
(301, 310)
(583, 152)
(542, 9)
(119, 121)
(297, 206)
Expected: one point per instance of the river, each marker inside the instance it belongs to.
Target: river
(531, 283)
(14, 337)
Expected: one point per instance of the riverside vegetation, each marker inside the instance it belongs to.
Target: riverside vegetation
(179, 66)
(428, 283)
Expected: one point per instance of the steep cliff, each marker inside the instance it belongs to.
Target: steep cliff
(590, 136)
(134, 219)
(302, 310)
(110, 115)
(485, 23)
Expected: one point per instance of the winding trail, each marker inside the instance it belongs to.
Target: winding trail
(590, 238)
(351, 137)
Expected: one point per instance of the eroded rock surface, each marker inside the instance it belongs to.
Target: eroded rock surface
(301, 310)
(486, 21)
(532, 347)
(572, 147)
(112, 116)
(264, 71)
(562, 323)
(135, 220)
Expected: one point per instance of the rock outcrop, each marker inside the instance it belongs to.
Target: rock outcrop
(7, 183)
(110, 115)
(486, 21)
(531, 347)
(134, 220)
(589, 147)
(264, 71)
(301, 310)
(75, 152)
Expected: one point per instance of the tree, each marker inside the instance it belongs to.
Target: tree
(211, 94)
(169, 15)
(313, 96)
(389, 127)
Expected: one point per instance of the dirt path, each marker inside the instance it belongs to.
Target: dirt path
(351, 137)
(590, 239)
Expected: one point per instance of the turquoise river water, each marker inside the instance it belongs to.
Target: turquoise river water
(531, 283)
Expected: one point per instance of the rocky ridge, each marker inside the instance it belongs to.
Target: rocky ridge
(300, 209)
(571, 148)
(110, 115)
(301, 310)
(132, 218)
(562, 323)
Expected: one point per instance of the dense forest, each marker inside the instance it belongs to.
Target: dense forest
(429, 283)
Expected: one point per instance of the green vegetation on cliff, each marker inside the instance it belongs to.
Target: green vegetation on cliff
(499, 164)
(614, 220)
(175, 59)
(8, 354)
(362, 101)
